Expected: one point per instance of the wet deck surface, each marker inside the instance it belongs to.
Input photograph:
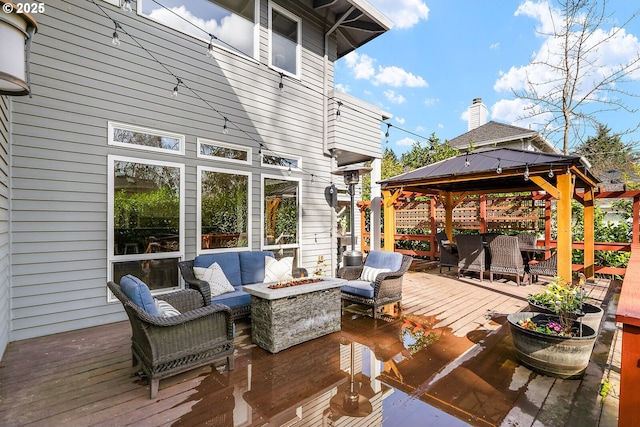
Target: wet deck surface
(446, 359)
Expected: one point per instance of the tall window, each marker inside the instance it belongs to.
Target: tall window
(146, 221)
(284, 40)
(224, 202)
(234, 23)
(281, 214)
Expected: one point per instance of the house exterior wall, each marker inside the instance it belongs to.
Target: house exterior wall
(80, 82)
(5, 282)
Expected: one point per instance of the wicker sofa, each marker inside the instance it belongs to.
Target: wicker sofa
(379, 289)
(165, 346)
(240, 268)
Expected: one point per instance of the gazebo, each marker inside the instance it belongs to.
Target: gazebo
(504, 170)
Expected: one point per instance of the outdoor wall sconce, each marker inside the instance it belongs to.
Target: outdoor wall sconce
(16, 31)
(351, 175)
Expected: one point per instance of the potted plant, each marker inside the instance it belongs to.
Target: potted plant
(555, 344)
(557, 292)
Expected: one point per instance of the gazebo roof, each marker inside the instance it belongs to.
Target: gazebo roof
(477, 172)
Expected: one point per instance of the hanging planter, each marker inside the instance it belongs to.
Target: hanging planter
(554, 355)
(17, 28)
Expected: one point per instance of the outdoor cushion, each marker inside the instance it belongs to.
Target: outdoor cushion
(277, 270)
(138, 292)
(215, 277)
(165, 309)
(252, 266)
(361, 288)
(228, 261)
(369, 274)
(233, 299)
(384, 259)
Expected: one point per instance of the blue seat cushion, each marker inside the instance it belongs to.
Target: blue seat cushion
(233, 299)
(384, 259)
(228, 261)
(138, 292)
(252, 266)
(358, 287)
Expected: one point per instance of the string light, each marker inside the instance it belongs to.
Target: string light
(281, 85)
(338, 114)
(526, 172)
(115, 40)
(386, 135)
(289, 171)
(499, 168)
(210, 49)
(225, 129)
(466, 160)
(126, 5)
(175, 89)
(551, 171)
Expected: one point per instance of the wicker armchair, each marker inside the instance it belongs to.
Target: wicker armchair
(385, 289)
(548, 267)
(165, 346)
(526, 239)
(471, 254)
(448, 255)
(506, 258)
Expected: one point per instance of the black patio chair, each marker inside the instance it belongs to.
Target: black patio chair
(448, 254)
(471, 254)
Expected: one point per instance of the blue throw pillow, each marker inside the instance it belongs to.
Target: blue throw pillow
(384, 259)
(139, 293)
(252, 266)
(228, 261)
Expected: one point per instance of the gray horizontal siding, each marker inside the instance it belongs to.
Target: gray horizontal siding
(80, 82)
(5, 281)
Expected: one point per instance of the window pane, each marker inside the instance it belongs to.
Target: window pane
(281, 211)
(224, 210)
(284, 42)
(231, 21)
(213, 150)
(146, 140)
(156, 273)
(280, 161)
(146, 208)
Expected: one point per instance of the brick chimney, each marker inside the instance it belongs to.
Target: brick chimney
(477, 114)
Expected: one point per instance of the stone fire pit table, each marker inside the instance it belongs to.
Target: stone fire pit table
(284, 317)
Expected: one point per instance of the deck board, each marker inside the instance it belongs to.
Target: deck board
(85, 378)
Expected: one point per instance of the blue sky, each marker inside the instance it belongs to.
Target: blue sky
(441, 54)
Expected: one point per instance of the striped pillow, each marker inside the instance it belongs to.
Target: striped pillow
(165, 309)
(369, 274)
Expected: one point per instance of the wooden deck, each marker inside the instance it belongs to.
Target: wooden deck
(461, 371)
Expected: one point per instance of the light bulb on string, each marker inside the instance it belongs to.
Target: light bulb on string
(175, 89)
(281, 85)
(210, 48)
(289, 171)
(526, 173)
(115, 40)
(225, 129)
(466, 160)
(499, 168)
(551, 174)
(386, 135)
(126, 5)
(338, 114)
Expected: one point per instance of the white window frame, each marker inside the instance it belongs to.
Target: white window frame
(297, 168)
(256, 32)
(114, 2)
(298, 20)
(297, 245)
(201, 141)
(111, 257)
(249, 175)
(112, 126)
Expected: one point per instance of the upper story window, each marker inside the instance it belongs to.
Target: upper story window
(284, 41)
(234, 23)
(145, 139)
(215, 150)
(292, 163)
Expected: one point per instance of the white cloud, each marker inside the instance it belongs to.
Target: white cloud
(440, 126)
(513, 112)
(431, 101)
(420, 128)
(405, 142)
(400, 120)
(543, 13)
(394, 97)
(362, 66)
(342, 88)
(494, 46)
(403, 13)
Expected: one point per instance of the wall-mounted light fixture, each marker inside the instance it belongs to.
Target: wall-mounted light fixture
(16, 32)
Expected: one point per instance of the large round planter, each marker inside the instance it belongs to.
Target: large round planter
(561, 357)
(592, 314)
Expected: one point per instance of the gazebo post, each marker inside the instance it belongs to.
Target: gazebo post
(448, 215)
(565, 188)
(589, 233)
(388, 200)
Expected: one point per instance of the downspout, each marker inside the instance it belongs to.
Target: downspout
(325, 131)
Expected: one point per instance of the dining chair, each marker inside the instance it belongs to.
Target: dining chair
(471, 254)
(506, 258)
(448, 255)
